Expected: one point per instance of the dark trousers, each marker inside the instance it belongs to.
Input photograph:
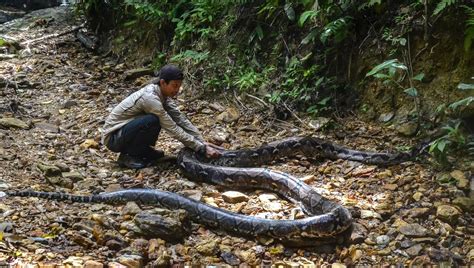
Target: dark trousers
(137, 137)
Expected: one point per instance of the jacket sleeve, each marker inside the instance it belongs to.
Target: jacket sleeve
(153, 105)
(182, 120)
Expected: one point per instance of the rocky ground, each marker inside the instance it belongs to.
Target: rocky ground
(55, 95)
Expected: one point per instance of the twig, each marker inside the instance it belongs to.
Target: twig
(293, 113)
(29, 42)
(258, 99)
(238, 101)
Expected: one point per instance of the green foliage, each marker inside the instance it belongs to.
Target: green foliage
(453, 140)
(442, 5)
(469, 33)
(337, 30)
(194, 56)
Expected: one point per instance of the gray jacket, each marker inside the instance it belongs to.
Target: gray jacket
(149, 100)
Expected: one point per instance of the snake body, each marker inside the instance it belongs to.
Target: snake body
(327, 222)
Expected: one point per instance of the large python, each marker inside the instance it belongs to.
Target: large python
(327, 223)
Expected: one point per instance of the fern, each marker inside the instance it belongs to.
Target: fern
(442, 5)
(469, 33)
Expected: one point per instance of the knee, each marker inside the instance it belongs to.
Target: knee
(152, 121)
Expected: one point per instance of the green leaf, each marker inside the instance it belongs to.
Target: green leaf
(441, 145)
(412, 92)
(290, 12)
(463, 86)
(305, 16)
(259, 32)
(310, 37)
(419, 77)
(381, 66)
(464, 102)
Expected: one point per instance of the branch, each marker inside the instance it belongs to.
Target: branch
(29, 42)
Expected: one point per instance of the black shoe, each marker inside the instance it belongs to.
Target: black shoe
(129, 161)
(153, 155)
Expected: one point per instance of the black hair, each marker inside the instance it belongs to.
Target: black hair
(170, 72)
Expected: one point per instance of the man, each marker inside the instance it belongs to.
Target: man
(133, 126)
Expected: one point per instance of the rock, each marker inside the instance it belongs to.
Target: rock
(230, 258)
(216, 106)
(89, 143)
(308, 179)
(49, 170)
(406, 243)
(417, 196)
(413, 230)
(82, 240)
(465, 203)
(4, 185)
(229, 115)
(418, 212)
(115, 265)
(60, 181)
(359, 233)
(234, 197)
(93, 264)
(6, 227)
(390, 186)
(272, 206)
(414, 250)
(74, 261)
(193, 194)
(75, 176)
(408, 129)
(384, 118)
(136, 73)
(365, 214)
(461, 181)
(131, 208)
(319, 123)
(47, 127)
(448, 213)
(79, 87)
(62, 166)
(219, 135)
(382, 240)
(207, 248)
(470, 255)
(69, 104)
(10, 122)
(171, 226)
(338, 265)
(131, 261)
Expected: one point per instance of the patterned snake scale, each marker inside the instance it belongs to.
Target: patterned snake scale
(328, 222)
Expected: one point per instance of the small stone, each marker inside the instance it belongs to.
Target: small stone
(356, 255)
(138, 72)
(193, 194)
(89, 143)
(338, 265)
(234, 197)
(319, 123)
(131, 261)
(382, 240)
(230, 258)
(229, 115)
(4, 185)
(365, 214)
(10, 122)
(69, 104)
(384, 118)
(406, 243)
(47, 127)
(390, 186)
(207, 248)
(359, 233)
(413, 230)
(74, 261)
(414, 250)
(465, 203)
(417, 196)
(448, 213)
(75, 176)
(272, 206)
(461, 181)
(131, 208)
(49, 170)
(408, 129)
(418, 212)
(308, 179)
(93, 264)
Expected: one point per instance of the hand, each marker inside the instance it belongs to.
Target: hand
(212, 152)
(219, 148)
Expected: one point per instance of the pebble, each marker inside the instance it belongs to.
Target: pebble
(382, 240)
(448, 213)
(10, 122)
(414, 250)
(465, 203)
(93, 264)
(234, 197)
(131, 261)
(131, 208)
(413, 230)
